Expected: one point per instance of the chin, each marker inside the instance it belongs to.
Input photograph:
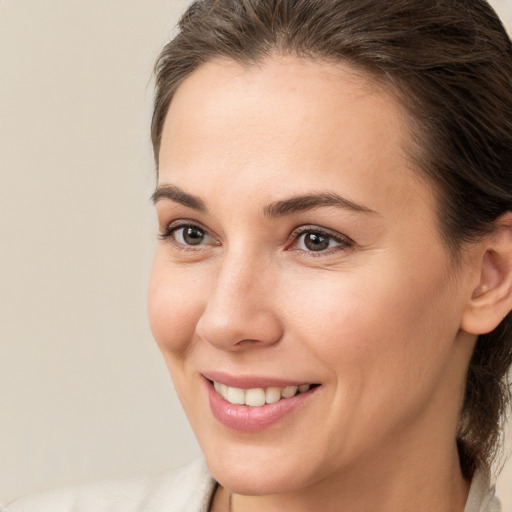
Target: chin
(254, 479)
(256, 469)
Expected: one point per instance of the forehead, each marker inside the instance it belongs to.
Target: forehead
(304, 89)
(294, 119)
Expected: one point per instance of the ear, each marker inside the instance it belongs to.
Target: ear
(491, 297)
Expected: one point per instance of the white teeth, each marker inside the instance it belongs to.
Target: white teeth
(289, 391)
(256, 397)
(272, 395)
(220, 388)
(236, 396)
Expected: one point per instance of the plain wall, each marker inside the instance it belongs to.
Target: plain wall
(84, 393)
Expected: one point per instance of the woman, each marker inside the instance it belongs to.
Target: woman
(333, 278)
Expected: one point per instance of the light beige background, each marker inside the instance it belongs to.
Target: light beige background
(83, 391)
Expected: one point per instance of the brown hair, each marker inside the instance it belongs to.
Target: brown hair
(450, 62)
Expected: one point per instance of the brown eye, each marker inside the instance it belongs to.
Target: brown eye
(316, 241)
(190, 235)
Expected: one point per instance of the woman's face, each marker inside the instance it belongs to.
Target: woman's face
(299, 247)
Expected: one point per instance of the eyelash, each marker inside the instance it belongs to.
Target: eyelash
(344, 242)
(168, 235)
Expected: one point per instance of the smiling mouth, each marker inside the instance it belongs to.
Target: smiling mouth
(257, 397)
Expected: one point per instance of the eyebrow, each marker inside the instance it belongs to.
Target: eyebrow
(174, 193)
(311, 201)
(276, 209)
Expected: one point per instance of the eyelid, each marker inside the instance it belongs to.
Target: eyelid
(174, 226)
(345, 242)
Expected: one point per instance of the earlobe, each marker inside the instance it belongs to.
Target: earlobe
(491, 298)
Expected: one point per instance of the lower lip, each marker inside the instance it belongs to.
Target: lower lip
(245, 418)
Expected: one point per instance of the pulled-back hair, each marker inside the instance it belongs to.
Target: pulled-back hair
(450, 64)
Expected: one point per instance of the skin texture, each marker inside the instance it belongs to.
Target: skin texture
(377, 319)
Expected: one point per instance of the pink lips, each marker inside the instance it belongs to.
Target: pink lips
(251, 419)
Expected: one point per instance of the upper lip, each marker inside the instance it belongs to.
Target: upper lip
(251, 381)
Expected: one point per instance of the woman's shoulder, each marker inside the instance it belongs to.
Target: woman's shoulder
(481, 496)
(187, 489)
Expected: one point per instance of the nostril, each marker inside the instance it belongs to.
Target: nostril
(240, 329)
(247, 342)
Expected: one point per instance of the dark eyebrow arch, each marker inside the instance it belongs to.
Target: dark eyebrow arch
(310, 201)
(174, 193)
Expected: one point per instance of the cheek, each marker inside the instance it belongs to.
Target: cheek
(380, 342)
(174, 307)
(387, 323)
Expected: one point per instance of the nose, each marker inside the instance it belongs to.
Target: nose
(240, 310)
